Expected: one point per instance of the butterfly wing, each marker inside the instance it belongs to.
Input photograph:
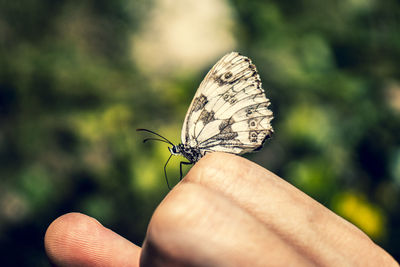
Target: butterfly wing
(229, 112)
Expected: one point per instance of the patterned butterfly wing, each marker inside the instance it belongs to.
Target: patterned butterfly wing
(229, 112)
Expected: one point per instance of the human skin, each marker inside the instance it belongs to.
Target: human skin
(227, 211)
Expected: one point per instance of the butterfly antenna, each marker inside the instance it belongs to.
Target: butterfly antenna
(149, 131)
(165, 140)
(154, 139)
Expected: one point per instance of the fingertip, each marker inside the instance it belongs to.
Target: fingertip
(57, 236)
(75, 239)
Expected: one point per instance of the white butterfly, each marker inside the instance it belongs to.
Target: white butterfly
(229, 113)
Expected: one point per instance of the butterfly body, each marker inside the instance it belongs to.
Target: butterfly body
(229, 113)
(192, 154)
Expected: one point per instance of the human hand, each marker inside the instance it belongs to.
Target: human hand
(227, 211)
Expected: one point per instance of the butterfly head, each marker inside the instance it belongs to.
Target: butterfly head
(176, 149)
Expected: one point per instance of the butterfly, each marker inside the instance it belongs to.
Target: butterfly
(229, 113)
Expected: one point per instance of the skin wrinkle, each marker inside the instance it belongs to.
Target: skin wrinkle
(228, 231)
(202, 177)
(66, 240)
(173, 219)
(310, 216)
(75, 239)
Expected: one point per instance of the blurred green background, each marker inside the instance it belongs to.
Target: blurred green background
(78, 77)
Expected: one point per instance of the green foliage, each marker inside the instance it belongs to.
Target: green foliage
(71, 99)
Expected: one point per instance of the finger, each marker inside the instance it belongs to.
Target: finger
(297, 218)
(75, 239)
(195, 226)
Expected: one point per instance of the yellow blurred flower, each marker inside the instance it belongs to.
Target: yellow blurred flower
(365, 215)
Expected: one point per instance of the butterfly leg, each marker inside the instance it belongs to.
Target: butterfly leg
(165, 171)
(180, 167)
